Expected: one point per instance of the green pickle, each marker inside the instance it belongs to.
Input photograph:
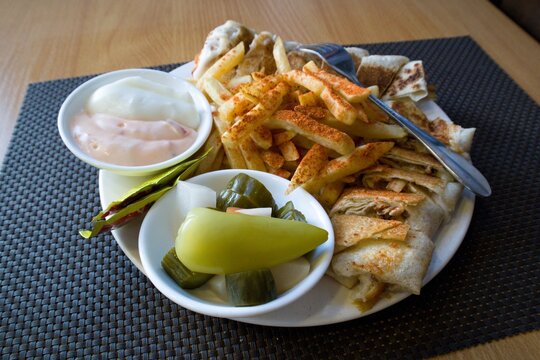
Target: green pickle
(250, 288)
(215, 242)
(288, 212)
(245, 192)
(184, 277)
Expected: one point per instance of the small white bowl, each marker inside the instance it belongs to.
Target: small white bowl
(76, 102)
(161, 223)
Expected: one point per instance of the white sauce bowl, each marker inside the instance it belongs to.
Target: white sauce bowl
(76, 102)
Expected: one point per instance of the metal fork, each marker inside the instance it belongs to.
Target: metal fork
(341, 61)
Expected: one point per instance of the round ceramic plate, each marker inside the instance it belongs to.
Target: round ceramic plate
(327, 302)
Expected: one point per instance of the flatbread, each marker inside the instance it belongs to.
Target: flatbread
(403, 264)
(409, 82)
(367, 292)
(426, 217)
(375, 203)
(426, 161)
(376, 174)
(349, 230)
(220, 40)
(259, 56)
(446, 200)
(408, 108)
(459, 139)
(357, 54)
(380, 70)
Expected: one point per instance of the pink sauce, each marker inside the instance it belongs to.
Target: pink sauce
(130, 142)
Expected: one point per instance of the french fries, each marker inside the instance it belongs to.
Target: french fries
(256, 116)
(251, 155)
(310, 166)
(224, 64)
(258, 89)
(375, 130)
(337, 105)
(359, 159)
(308, 99)
(280, 56)
(350, 91)
(237, 105)
(217, 92)
(262, 137)
(289, 151)
(283, 136)
(297, 124)
(232, 151)
(218, 161)
(273, 159)
(313, 130)
(309, 81)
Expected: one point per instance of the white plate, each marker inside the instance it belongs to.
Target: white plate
(327, 302)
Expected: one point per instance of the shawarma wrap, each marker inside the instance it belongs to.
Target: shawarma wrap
(409, 82)
(380, 70)
(400, 263)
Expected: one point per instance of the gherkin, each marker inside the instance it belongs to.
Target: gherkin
(245, 192)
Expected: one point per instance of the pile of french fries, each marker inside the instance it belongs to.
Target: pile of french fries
(310, 126)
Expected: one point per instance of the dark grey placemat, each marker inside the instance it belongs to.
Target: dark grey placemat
(63, 296)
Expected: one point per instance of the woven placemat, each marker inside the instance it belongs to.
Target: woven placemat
(62, 296)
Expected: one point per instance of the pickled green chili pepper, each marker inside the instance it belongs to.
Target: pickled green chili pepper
(122, 216)
(245, 192)
(139, 199)
(215, 242)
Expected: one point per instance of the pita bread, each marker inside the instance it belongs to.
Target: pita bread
(351, 229)
(458, 138)
(446, 200)
(403, 264)
(408, 108)
(348, 281)
(380, 70)
(409, 82)
(417, 208)
(426, 161)
(426, 217)
(259, 56)
(357, 54)
(375, 203)
(220, 40)
(381, 173)
(367, 292)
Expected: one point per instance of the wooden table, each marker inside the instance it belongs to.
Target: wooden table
(48, 39)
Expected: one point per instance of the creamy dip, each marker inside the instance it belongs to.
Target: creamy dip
(130, 142)
(140, 99)
(136, 122)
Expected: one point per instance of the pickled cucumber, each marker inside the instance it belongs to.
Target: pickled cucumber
(288, 212)
(250, 288)
(184, 277)
(245, 192)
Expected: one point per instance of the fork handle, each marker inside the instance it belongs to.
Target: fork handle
(457, 165)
